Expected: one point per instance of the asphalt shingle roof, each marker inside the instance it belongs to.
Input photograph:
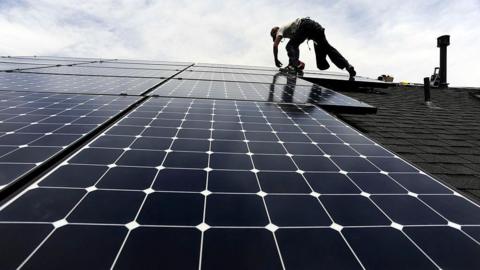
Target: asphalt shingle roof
(443, 139)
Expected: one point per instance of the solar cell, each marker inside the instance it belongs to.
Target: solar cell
(36, 126)
(286, 93)
(31, 82)
(211, 190)
(110, 72)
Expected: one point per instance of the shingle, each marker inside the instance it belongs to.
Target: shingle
(442, 158)
(457, 169)
(434, 149)
(472, 158)
(464, 150)
(472, 193)
(462, 181)
(458, 143)
(432, 168)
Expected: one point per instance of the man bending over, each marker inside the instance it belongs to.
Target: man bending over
(300, 30)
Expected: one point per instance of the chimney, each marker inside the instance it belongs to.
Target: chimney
(442, 43)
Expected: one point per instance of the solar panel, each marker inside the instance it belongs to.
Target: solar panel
(278, 78)
(10, 66)
(34, 62)
(133, 66)
(44, 60)
(148, 62)
(36, 126)
(335, 76)
(58, 58)
(233, 70)
(235, 66)
(110, 72)
(32, 82)
(342, 79)
(223, 184)
(287, 93)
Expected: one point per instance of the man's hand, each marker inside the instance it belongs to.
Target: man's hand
(278, 63)
(275, 50)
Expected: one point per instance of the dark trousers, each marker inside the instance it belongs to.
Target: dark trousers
(314, 31)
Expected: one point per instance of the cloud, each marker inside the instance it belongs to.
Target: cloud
(394, 37)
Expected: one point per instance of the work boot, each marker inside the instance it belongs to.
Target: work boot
(301, 66)
(289, 69)
(351, 72)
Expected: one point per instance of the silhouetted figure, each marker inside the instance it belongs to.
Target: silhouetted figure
(300, 30)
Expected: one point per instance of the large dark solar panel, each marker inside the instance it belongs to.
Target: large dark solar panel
(36, 126)
(32, 82)
(222, 184)
(278, 78)
(111, 72)
(283, 93)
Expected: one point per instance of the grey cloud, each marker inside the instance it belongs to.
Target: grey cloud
(395, 37)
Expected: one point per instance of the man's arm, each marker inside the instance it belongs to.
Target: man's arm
(275, 50)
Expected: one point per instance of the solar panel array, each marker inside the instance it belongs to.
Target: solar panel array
(216, 174)
(236, 77)
(283, 93)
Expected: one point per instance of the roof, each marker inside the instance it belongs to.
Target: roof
(443, 139)
(131, 164)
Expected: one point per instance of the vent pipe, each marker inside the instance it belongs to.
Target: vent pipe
(442, 43)
(426, 90)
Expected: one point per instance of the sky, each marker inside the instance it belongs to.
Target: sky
(377, 37)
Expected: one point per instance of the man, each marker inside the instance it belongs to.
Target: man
(300, 30)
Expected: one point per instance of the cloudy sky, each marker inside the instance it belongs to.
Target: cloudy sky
(378, 37)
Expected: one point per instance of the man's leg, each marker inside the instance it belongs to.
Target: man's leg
(327, 49)
(292, 47)
(321, 57)
(333, 54)
(293, 52)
